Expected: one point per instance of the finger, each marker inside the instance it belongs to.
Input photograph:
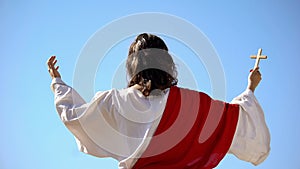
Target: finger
(258, 72)
(54, 62)
(50, 60)
(57, 67)
(254, 71)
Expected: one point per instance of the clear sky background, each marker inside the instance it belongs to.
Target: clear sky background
(32, 135)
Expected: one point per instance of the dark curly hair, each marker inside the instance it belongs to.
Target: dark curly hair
(150, 65)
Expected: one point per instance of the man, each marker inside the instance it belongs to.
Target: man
(155, 124)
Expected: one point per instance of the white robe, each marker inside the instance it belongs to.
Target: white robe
(120, 123)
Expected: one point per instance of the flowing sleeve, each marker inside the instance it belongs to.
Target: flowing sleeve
(71, 107)
(251, 141)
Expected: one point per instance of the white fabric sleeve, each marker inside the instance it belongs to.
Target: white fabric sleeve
(251, 141)
(71, 107)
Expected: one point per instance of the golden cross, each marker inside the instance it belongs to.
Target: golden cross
(258, 57)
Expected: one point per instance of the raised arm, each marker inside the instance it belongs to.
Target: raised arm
(69, 104)
(72, 110)
(252, 138)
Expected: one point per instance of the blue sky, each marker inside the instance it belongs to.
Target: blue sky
(32, 135)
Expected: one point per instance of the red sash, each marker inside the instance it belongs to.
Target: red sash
(195, 132)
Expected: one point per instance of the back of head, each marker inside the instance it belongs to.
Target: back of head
(150, 65)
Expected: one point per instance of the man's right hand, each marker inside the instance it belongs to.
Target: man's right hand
(254, 79)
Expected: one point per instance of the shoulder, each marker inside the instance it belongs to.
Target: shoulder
(188, 91)
(107, 94)
(116, 94)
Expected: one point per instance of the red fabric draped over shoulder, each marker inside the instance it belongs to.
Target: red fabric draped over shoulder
(195, 132)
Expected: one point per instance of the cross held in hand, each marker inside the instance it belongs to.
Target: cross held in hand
(258, 57)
